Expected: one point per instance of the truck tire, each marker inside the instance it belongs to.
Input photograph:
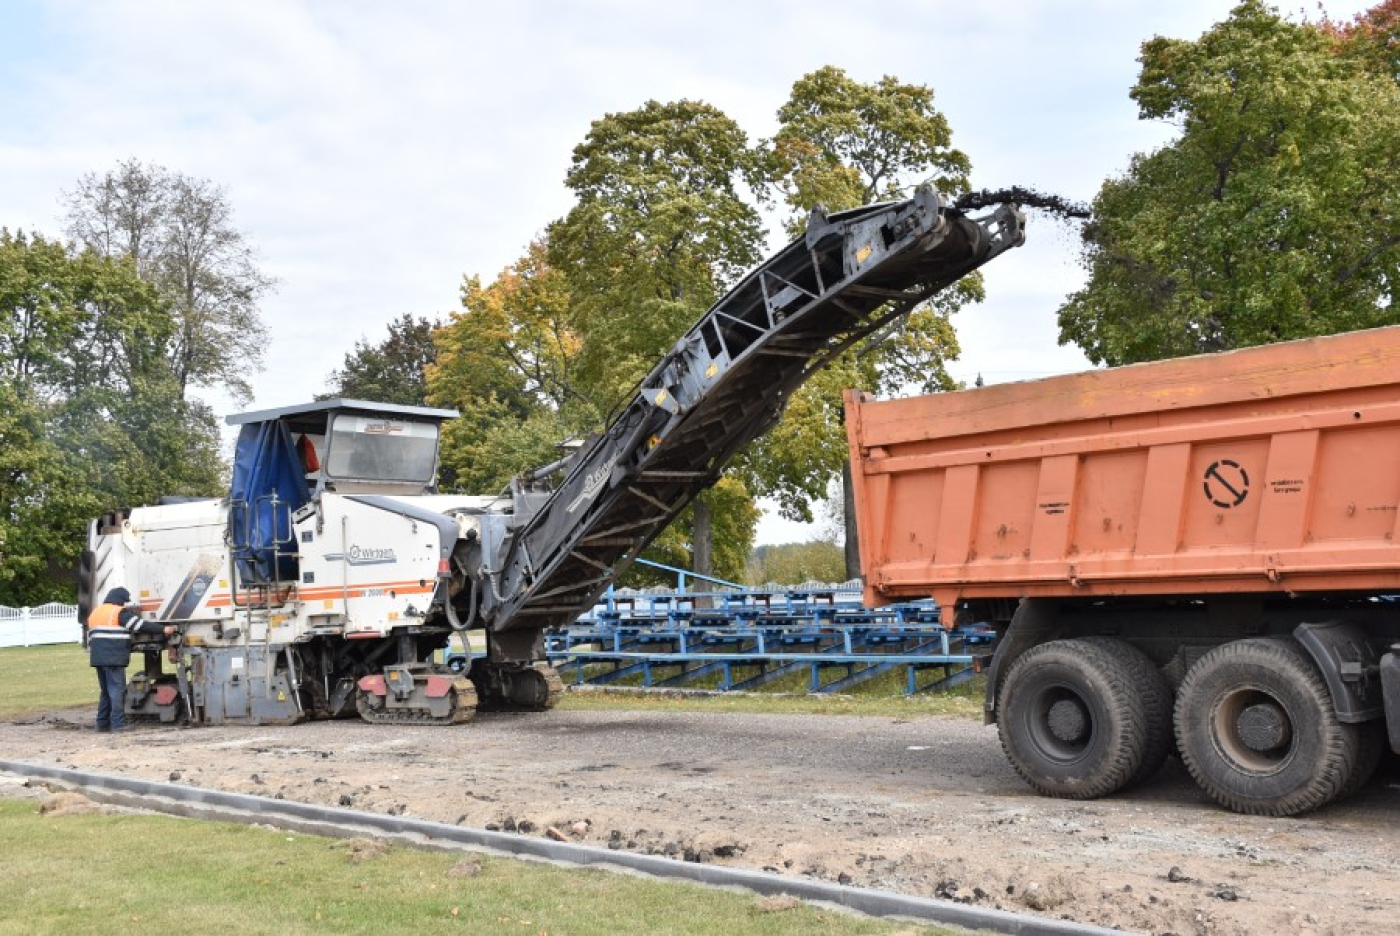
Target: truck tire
(1257, 730)
(1156, 694)
(1372, 743)
(1072, 722)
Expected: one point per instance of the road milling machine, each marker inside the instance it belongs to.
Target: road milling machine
(325, 581)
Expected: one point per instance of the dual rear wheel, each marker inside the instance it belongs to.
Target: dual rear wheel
(1084, 718)
(1257, 729)
(1253, 722)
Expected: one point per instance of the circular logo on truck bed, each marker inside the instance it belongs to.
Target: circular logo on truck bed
(1226, 483)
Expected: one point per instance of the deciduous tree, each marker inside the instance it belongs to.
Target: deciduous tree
(663, 224)
(391, 371)
(1372, 37)
(179, 233)
(842, 144)
(90, 412)
(1275, 214)
(506, 360)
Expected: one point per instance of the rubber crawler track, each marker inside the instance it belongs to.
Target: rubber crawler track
(216, 805)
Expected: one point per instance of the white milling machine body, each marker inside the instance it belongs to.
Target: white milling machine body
(319, 572)
(326, 580)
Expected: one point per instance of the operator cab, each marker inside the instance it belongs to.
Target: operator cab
(287, 458)
(349, 446)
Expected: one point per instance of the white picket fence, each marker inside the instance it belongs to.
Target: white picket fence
(52, 623)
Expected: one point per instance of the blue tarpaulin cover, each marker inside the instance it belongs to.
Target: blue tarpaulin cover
(268, 486)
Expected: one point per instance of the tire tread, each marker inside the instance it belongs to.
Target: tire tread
(1340, 744)
(1100, 664)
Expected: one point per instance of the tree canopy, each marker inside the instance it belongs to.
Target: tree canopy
(506, 361)
(667, 218)
(842, 144)
(179, 234)
(1272, 216)
(391, 371)
(661, 227)
(664, 223)
(91, 415)
(796, 563)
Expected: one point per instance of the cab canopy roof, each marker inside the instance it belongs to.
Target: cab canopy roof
(358, 407)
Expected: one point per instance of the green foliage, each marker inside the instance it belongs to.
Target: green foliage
(1272, 216)
(178, 233)
(482, 451)
(661, 227)
(91, 415)
(506, 361)
(799, 459)
(391, 371)
(843, 144)
(796, 563)
(43, 498)
(1372, 38)
(664, 221)
(734, 519)
(515, 339)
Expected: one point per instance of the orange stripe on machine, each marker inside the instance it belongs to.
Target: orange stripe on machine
(367, 590)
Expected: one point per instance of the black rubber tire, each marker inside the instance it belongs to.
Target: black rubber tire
(1315, 754)
(1071, 723)
(1156, 695)
(1372, 743)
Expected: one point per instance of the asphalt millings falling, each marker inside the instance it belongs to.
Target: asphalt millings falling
(1026, 198)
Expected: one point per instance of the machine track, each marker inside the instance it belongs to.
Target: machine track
(534, 688)
(464, 707)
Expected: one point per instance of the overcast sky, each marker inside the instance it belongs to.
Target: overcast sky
(376, 153)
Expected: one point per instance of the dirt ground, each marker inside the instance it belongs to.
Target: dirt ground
(923, 805)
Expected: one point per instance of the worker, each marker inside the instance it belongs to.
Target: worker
(109, 630)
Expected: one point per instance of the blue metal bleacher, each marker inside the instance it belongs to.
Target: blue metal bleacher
(731, 637)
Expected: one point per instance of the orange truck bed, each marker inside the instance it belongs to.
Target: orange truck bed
(1267, 470)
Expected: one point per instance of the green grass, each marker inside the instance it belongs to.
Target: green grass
(39, 679)
(964, 701)
(126, 873)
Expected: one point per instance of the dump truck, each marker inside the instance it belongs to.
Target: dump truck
(329, 578)
(1195, 555)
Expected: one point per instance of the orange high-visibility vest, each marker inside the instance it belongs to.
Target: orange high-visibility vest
(105, 615)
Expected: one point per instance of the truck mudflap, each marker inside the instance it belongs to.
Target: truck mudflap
(1350, 662)
(1035, 621)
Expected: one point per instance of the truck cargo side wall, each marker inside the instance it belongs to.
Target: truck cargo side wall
(1273, 469)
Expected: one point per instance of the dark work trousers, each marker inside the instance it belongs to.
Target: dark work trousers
(112, 681)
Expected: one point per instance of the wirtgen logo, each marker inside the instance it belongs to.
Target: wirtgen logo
(365, 555)
(592, 485)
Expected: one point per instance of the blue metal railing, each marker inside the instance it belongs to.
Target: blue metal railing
(737, 637)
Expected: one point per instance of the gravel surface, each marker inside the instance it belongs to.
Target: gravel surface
(924, 806)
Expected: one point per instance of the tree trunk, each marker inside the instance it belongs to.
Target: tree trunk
(703, 557)
(848, 511)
